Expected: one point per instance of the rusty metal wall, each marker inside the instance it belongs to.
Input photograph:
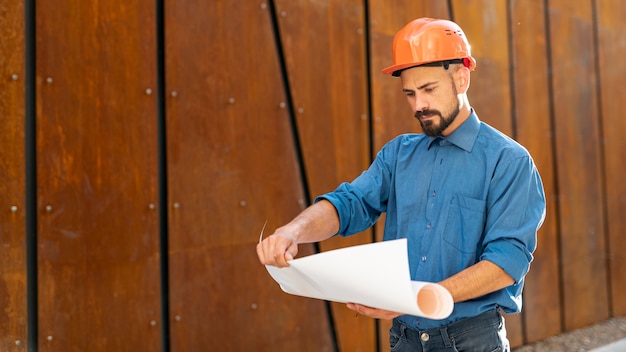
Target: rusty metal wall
(165, 134)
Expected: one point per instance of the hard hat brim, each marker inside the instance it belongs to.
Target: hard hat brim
(395, 70)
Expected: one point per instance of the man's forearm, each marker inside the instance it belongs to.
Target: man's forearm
(478, 280)
(316, 223)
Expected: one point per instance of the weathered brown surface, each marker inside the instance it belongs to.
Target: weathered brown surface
(325, 54)
(531, 85)
(549, 74)
(98, 239)
(13, 320)
(611, 46)
(232, 165)
(579, 168)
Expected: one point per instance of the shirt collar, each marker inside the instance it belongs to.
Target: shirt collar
(464, 136)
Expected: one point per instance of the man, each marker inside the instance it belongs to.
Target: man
(468, 199)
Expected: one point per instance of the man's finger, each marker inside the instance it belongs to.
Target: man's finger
(260, 253)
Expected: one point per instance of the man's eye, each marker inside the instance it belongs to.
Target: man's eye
(429, 89)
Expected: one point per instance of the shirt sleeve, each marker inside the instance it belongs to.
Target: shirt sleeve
(516, 210)
(360, 203)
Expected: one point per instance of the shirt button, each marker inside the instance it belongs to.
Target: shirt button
(429, 226)
(424, 336)
(424, 258)
(434, 193)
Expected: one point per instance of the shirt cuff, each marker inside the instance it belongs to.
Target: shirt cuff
(513, 259)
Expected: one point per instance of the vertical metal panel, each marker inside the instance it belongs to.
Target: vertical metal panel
(232, 165)
(576, 131)
(324, 44)
(13, 318)
(98, 240)
(325, 51)
(532, 107)
(612, 49)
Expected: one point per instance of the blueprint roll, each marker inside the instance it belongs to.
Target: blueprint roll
(374, 275)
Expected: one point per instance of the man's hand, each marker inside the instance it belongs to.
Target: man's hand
(372, 312)
(316, 223)
(277, 249)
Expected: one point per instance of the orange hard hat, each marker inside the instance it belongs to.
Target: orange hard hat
(428, 40)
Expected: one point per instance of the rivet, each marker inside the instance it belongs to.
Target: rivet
(48, 208)
(243, 203)
(300, 202)
(282, 105)
(359, 31)
(253, 306)
(231, 100)
(14, 208)
(50, 338)
(363, 117)
(177, 317)
(377, 119)
(18, 342)
(153, 322)
(176, 205)
(49, 80)
(263, 6)
(300, 110)
(148, 91)
(151, 206)
(14, 76)
(174, 93)
(283, 14)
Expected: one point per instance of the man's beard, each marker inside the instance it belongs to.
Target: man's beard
(429, 127)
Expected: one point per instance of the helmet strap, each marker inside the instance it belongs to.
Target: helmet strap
(446, 63)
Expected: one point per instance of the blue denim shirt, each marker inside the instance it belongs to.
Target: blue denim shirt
(473, 195)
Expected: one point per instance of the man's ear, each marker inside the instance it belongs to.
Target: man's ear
(462, 79)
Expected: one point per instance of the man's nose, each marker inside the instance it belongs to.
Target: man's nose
(419, 104)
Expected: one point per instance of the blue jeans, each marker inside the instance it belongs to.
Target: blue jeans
(484, 332)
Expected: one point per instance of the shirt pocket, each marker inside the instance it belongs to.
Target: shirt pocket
(464, 225)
